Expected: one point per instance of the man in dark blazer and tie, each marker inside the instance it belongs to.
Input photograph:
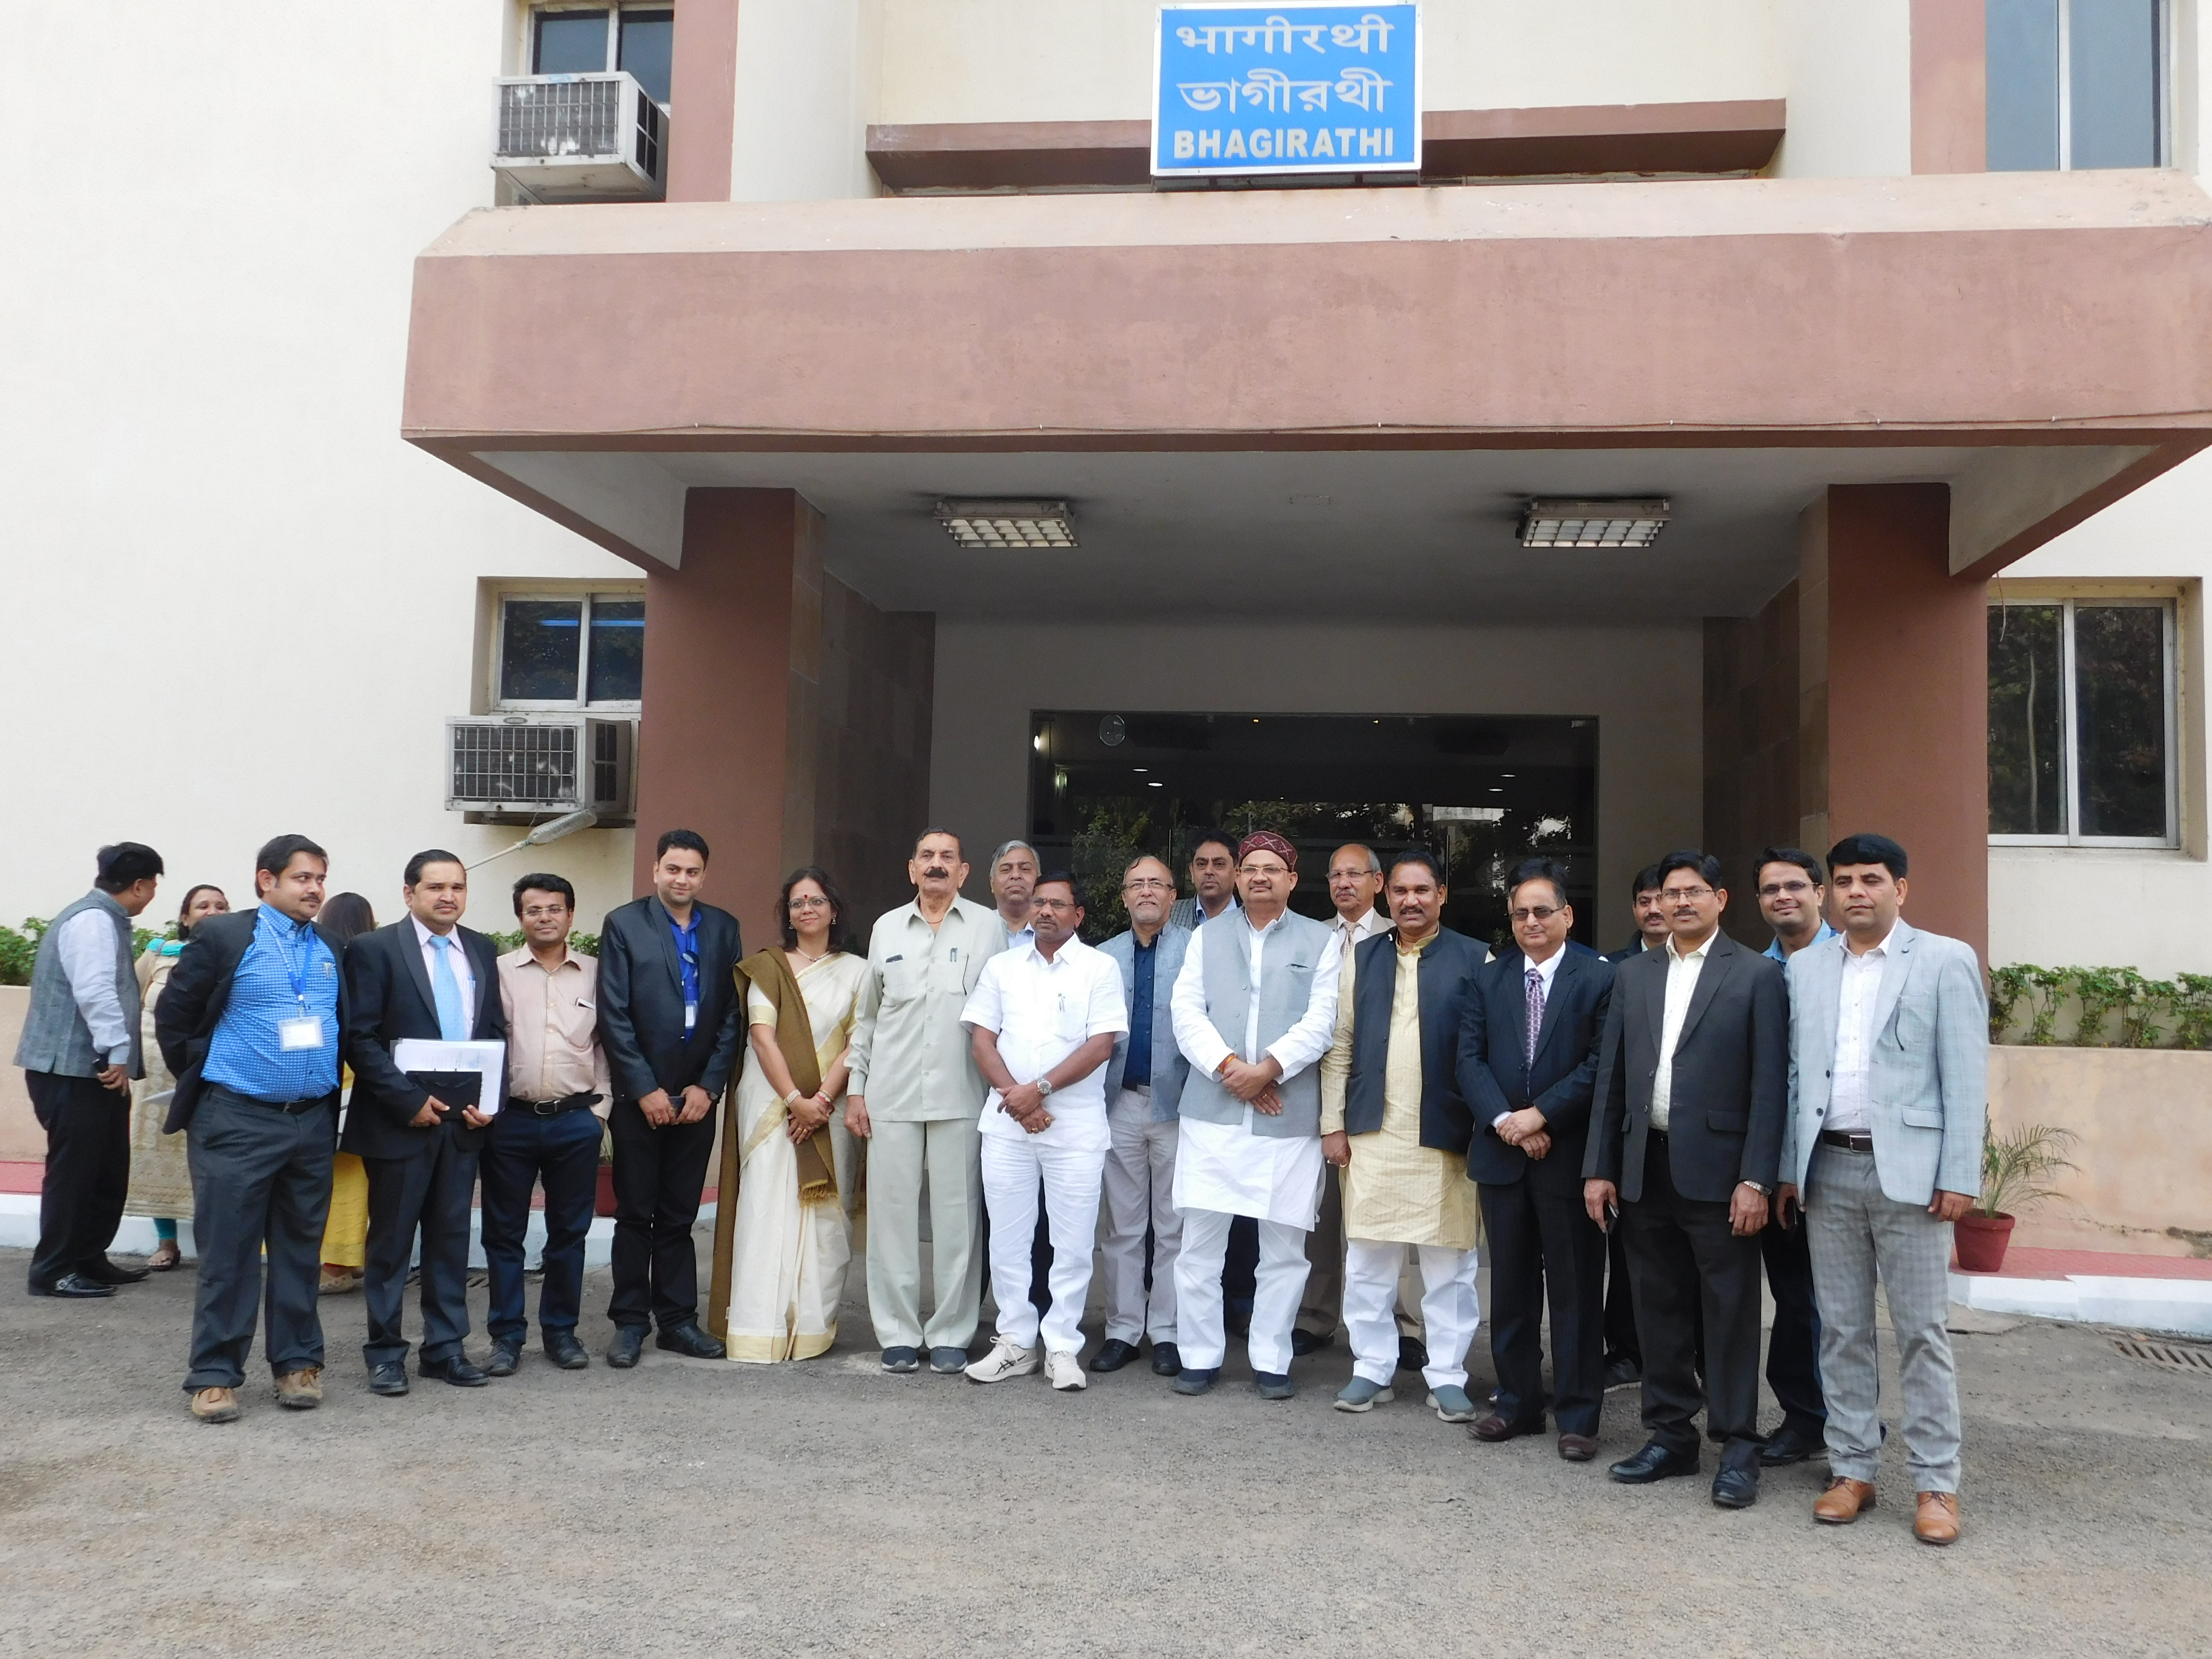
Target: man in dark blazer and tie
(1528, 1068)
(1685, 1143)
(669, 1022)
(426, 977)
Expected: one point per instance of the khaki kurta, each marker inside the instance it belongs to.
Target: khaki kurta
(1396, 1191)
(161, 1180)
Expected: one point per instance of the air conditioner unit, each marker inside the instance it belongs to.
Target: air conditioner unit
(515, 767)
(581, 138)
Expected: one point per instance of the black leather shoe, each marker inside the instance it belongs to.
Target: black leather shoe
(564, 1351)
(457, 1370)
(690, 1340)
(1113, 1355)
(1196, 1381)
(504, 1359)
(1789, 1445)
(1654, 1462)
(1305, 1342)
(107, 1272)
(1622, 1374)
(1412, 1355)
(389, 1379)
(1166, 1360)
(1736, 1488)
(73, 1285)
(629, 1343)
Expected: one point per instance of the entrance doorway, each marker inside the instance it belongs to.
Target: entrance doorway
(1482, 793)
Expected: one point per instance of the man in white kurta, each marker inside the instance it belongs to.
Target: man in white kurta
(1044, 1016)
(1255, 1007)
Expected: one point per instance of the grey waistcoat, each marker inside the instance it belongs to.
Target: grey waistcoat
(1286, 986)
(55, 1036)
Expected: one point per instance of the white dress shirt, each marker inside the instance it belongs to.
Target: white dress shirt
(1042, 1012)
(1301, 1046)
(1847, 1090)
(1682, 973)
(85, 946)
(1350, 933)
(1546, 971)
(457, 959)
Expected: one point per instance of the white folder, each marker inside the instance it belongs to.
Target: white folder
(427, 1055)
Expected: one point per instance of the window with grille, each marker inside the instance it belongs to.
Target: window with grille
(594, 39)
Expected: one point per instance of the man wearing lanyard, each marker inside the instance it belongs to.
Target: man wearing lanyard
(669, 1024)
(249, 1025)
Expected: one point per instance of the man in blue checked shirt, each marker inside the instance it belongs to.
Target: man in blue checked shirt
(249, 1025)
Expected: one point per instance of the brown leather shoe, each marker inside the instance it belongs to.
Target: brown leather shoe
(1840, 1504)
(1496, 1427)
(1936, 1518)
(215, 1405)
(1579, 1448)
(301, 1390)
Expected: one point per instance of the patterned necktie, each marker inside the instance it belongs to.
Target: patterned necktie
(452, 1016)
(1535, 1011)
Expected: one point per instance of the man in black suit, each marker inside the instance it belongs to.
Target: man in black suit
(669, 1023)
(1527, 1067)
(426, 977)
(1624, 1354)
(1686, 1139)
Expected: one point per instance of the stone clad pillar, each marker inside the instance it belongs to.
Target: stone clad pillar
(1893, 695)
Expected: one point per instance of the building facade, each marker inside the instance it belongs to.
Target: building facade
(1898, 308)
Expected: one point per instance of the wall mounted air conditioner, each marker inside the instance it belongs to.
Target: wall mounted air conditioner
(581, 138)
(513, 766)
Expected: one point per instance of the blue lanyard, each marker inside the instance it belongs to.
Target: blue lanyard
(297, 975)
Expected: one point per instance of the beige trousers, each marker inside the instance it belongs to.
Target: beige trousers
(949, 1152)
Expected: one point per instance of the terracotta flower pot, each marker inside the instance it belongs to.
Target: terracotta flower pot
(605, 1204)
(1979, 1242)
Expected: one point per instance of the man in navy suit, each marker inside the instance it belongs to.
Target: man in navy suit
(1527, 1065)
(426, 977)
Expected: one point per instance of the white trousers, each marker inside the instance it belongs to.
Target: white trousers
(1201, 1337)
(1140, 1193)
(1011, 1167)
(1448, 1309)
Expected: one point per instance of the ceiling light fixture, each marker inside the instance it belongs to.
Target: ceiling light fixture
(1008, 524)
(1634, 523)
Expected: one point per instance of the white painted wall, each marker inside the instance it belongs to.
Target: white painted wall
(237, 603)
(800, 124)
(1645, 685)
(1849, 68)
(2114, 907)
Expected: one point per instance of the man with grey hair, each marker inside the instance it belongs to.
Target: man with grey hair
(1013, 877)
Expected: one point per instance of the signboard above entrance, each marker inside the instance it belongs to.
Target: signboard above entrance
(1247, 91)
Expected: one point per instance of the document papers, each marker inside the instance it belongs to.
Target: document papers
(487, 1059)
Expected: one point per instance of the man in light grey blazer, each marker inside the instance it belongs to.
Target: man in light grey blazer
(1889, 1097)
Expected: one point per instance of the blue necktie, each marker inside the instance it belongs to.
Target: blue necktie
(452, 1014)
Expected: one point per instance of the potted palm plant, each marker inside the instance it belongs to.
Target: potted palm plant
(2014, 1167)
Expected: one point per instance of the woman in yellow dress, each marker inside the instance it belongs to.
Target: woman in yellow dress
(345, 1235)
(161, 1180)
(791, 1153)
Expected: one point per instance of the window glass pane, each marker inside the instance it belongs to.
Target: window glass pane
(2023, 85)
(571, 43)
(2113, 49)
(647, 38)
(617, 665)
(2025, 797)
(2119, 718)
(537, 650)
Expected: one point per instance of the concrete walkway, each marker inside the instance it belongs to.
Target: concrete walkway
(826, 1508)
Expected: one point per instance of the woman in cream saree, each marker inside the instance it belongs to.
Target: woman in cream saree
(791, 1239)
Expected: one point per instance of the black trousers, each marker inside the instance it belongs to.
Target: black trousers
(1620, 1341)
(1543, 1246)
(1793, 1346)
(659, 1176)
(430, 1193)
(523, 1149)
(87, 1174)
(1683, 1258)
(261, 1183)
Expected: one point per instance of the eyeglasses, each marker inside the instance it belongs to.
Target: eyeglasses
(1147, 884)
(1262, 870)
(1776, 888)
(1684, 895)
(1534, 913)
(1052, 904)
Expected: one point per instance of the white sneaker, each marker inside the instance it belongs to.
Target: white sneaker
(1005, 1359)
(1064, 1370)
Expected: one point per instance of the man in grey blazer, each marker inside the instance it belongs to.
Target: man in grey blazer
(1888, 1097)
(1686, 1137)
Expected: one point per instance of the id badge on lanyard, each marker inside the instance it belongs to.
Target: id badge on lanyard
(304, 1029)
(690, 1017)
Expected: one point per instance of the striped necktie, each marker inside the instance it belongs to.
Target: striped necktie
(1535, 1011)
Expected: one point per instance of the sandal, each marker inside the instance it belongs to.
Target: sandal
(166, 1256)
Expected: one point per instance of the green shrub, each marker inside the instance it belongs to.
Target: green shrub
(584, 945)
(2113, 1007)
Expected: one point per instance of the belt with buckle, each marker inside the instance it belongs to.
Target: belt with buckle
(1847, 1140)
(554, 1108)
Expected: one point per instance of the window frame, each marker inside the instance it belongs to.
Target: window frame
(612, 59)
(582, 595)
(2166, 34)
(2005, 596)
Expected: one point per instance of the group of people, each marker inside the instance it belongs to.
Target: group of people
(1291, 1127)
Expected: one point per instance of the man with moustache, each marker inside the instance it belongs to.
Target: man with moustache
(916, 1095)
(1528, 1060)
(1212, 880)
(1014, 878)
(1255, 1007)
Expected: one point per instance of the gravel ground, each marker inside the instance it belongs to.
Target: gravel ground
(827, 1509)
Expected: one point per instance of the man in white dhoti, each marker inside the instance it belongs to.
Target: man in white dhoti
(1255, 1007)
(1044, 1017)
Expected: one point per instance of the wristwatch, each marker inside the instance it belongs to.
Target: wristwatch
(1044, 1087)
(1764, 1192)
